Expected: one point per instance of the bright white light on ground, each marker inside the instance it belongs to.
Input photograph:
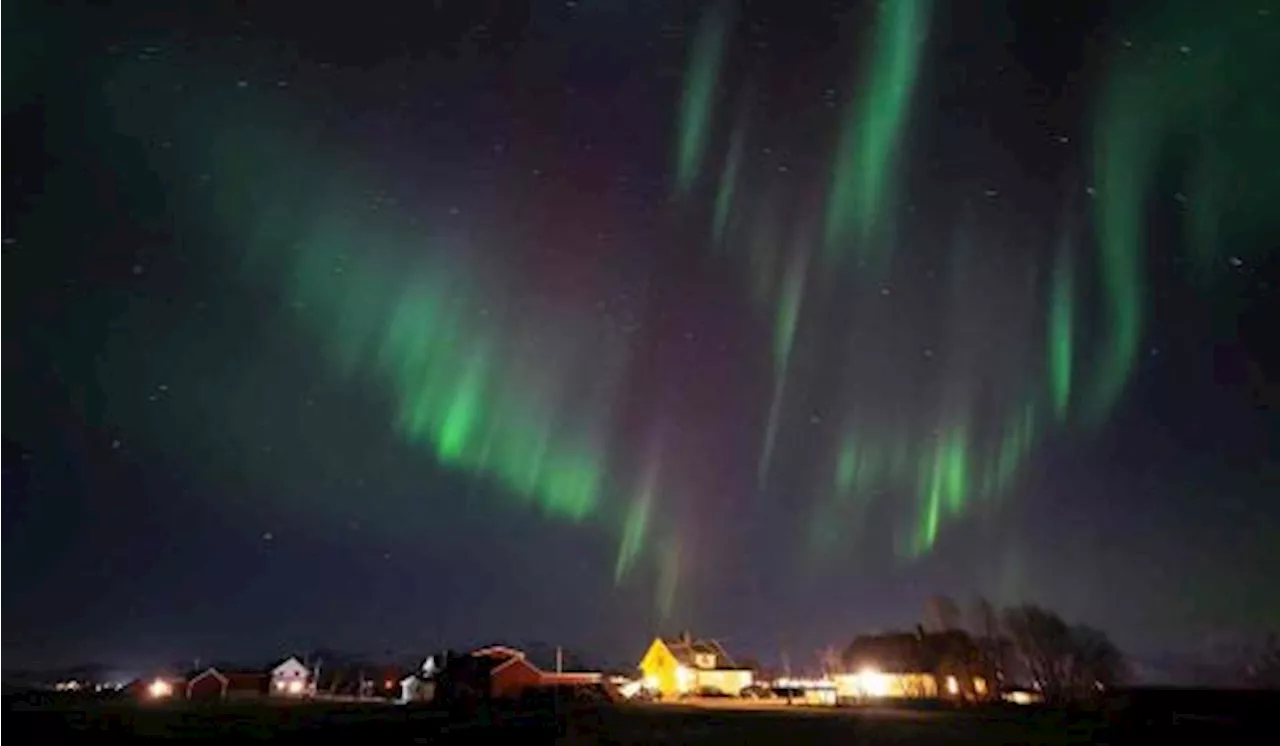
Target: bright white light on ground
(159, 689)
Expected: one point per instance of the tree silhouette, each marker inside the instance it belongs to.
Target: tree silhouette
(1064, 662)
(984, 625)
(941, 614)
(1262, 666)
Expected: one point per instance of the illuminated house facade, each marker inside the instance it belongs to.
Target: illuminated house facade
(674, 667)
(910, 665)
(290, 678)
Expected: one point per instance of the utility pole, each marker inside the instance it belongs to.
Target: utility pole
(786, 671)
(559, 659)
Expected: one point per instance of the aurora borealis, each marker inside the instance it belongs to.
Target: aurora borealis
(674, 314)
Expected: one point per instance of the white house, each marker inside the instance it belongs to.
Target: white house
(420, 686)
(290, 678)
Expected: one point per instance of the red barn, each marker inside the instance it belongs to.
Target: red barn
(510, 678)
(212, 684)
(207, 685)
(512, 674)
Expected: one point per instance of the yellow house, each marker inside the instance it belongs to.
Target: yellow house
(674, 667)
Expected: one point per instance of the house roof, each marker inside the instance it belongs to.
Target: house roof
(236, 680)
(207, 673)
(501, 652)
(686, 649)
(281, 662)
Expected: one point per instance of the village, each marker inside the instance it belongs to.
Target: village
(944, 666)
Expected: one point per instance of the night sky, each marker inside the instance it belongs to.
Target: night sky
(582, 322)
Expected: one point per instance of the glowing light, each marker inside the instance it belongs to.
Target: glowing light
(953, 686)
(789, 683)
(873, 682)
(295, 687)
(159, 689)
(630, 689)
(684, 678)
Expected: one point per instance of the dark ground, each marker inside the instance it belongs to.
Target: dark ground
(1148, 721)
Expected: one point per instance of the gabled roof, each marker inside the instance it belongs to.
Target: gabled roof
(290, 659)
(238, 680)
(515, 661)
(207, 673)
(686, 650)
(497, 651)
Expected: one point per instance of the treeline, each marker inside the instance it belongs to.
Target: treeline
(1025, 647)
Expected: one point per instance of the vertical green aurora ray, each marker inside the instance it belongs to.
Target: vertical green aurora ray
(786, 320)
(764, 260)
(872, 127)
(697, 102)
(637, 522)
(1060, 335)
(669, 556)
(943, 484)
(727, 186)
(1124, 162)
(1195, 87)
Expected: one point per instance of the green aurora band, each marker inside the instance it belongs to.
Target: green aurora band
(524, 394)
(1192, 86)
(873, 126)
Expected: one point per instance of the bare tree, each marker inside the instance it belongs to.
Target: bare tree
(830, 660)
(984, 625)
(983, 622)
(941, 614)
(1064, 662)
(1095, 663)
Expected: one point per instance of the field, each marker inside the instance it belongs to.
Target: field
(721, 723)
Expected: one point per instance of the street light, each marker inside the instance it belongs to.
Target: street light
(159, 689)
